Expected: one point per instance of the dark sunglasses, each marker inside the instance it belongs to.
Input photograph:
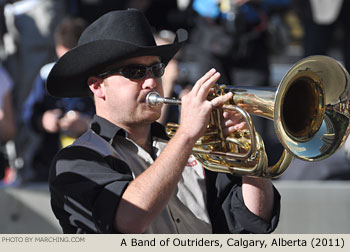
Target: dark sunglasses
(136, 72)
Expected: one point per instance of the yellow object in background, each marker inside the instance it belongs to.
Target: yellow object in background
(225, 6)
(66, 140)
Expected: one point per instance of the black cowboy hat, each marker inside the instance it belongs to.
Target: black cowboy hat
(115, 36)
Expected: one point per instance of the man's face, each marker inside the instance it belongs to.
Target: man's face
(125, 98)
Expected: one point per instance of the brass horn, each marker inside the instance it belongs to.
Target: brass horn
(310, 109)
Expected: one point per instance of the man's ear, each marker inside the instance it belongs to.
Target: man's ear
(95, 85)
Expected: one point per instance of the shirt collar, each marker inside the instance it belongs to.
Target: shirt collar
(108, 130)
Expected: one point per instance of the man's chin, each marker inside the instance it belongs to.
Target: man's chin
(154, 117)
(150, 116)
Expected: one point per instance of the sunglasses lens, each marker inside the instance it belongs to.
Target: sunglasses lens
(158, 70)
(133, 72)
(137, 72)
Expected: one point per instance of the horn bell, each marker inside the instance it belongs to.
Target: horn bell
(310, 110)
(311, 115)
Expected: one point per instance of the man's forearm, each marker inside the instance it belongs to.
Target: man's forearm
(148, 194)
(258, 196)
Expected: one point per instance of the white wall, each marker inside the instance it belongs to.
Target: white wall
(307, 207)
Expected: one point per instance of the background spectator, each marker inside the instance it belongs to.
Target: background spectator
(7, 122)
(56, 121)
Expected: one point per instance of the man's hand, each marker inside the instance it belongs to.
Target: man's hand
(233, 121)
(50, 120)
(196, 108)
(73, 123)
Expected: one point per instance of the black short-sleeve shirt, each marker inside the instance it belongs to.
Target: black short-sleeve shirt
(87, 181)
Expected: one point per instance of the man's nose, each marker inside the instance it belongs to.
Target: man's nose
(150, 82)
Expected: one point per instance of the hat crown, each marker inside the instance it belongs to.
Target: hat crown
(130, 26)
(115, 36)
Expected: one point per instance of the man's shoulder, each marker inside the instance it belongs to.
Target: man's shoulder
(92, 141)
(89, 152)
(86, 146)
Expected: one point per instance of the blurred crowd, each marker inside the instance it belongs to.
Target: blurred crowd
(237, 37)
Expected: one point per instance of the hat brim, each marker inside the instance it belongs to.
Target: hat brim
(68, 77)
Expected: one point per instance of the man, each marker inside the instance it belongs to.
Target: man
(7, 125)
(56, 121)
(123, 175)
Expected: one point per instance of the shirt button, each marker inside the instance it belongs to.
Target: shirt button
(177, 220)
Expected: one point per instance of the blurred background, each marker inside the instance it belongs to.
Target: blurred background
(251, 42)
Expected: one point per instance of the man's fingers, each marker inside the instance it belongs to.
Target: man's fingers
(220, 100)
(239, 126)
(207, 86)
(203, 80)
